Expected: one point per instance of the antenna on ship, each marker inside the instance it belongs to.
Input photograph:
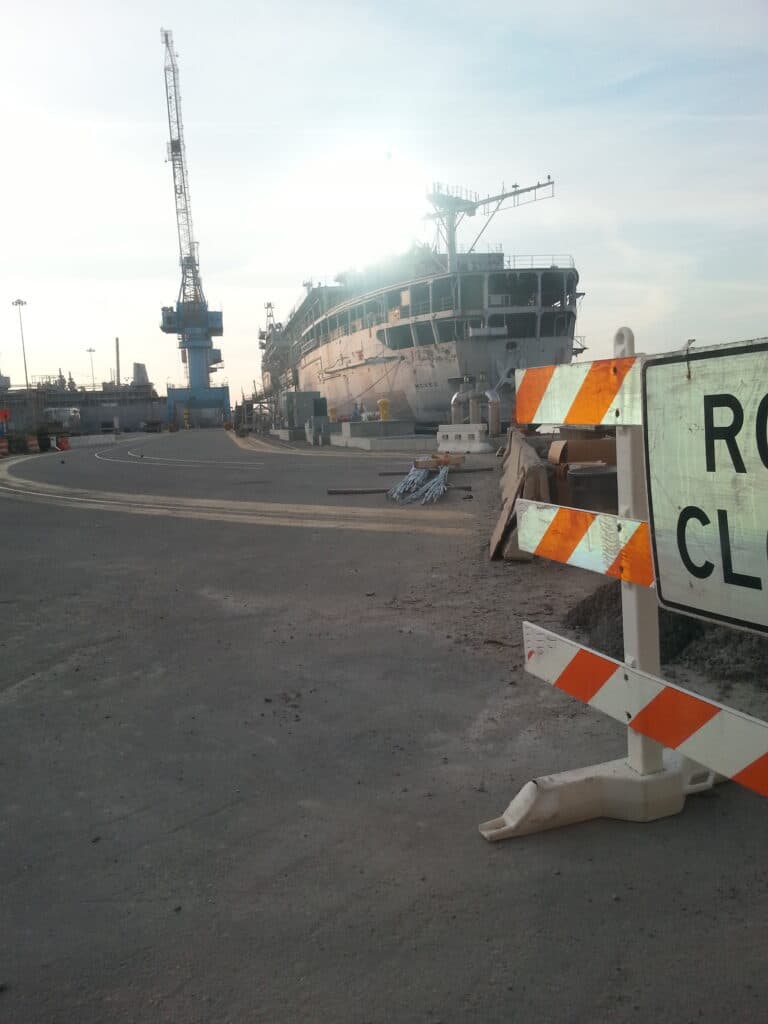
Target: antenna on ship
(452, 205)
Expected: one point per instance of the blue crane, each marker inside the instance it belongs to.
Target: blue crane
(191, 320)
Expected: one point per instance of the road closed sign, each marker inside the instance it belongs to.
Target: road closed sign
(705, 420)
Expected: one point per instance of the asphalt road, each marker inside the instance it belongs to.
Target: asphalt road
(243, 767)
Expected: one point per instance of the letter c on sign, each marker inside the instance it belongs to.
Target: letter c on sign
(692, 512)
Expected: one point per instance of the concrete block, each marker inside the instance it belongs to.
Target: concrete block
(400, 444)
(467, 438)
(291, 434)
(92, 440)
(377, 428)
(412, 443)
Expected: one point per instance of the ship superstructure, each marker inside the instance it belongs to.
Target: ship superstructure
(419, 328)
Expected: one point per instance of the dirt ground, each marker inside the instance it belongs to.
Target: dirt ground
(482, 601)
(723, 664)
(719, 662)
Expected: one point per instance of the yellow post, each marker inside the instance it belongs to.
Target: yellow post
(383, 404)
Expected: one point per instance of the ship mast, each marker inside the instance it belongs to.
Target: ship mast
(452, 205)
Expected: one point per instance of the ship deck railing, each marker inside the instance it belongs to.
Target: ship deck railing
(559, 260)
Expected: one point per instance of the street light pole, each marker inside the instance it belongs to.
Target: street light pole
(90, 352)
(18, 303)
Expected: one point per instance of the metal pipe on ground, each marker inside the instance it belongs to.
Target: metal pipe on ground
(383, 490)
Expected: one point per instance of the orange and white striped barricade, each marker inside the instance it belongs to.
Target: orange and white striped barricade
(664, 764)
(3, 446)
(33, 446)
(606, 393)
(610, 545)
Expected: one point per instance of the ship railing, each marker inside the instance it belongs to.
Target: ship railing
(419, 309)
(558, 260)
(492, 249)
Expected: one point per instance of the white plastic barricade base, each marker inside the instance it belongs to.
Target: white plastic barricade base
(609, 790)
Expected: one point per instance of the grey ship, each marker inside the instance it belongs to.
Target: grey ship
(417, 329)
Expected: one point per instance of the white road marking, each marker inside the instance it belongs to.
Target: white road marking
(138, 458)
(311, 517)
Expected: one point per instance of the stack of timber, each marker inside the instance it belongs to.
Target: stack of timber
(438, 460)
(523, 475)
(575, 469)
(583, 473)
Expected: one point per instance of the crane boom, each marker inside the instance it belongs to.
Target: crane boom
(191, 320)
(191, 284)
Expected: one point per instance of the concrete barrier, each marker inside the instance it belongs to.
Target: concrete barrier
(419, 443)
(288, 434)
(92, 441)
(464, 438)
(378, 428)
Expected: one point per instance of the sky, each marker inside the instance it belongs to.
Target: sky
(314, 130)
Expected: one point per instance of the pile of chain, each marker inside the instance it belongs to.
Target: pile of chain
(434, 489)
(417, 486)
(410, 484)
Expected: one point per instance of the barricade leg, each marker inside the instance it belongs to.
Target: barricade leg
(639, 607)
(610, 790)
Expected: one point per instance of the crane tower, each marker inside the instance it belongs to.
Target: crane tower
(191, 320)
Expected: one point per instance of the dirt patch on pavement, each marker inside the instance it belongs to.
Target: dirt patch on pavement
(466, 600)
(726, 654)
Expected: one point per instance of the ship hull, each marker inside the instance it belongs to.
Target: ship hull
(415, 338)
(419, 382)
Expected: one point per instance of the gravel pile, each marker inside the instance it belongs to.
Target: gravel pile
(727, 654)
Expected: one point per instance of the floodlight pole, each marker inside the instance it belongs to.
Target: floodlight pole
(18, 303)
(90, 352)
